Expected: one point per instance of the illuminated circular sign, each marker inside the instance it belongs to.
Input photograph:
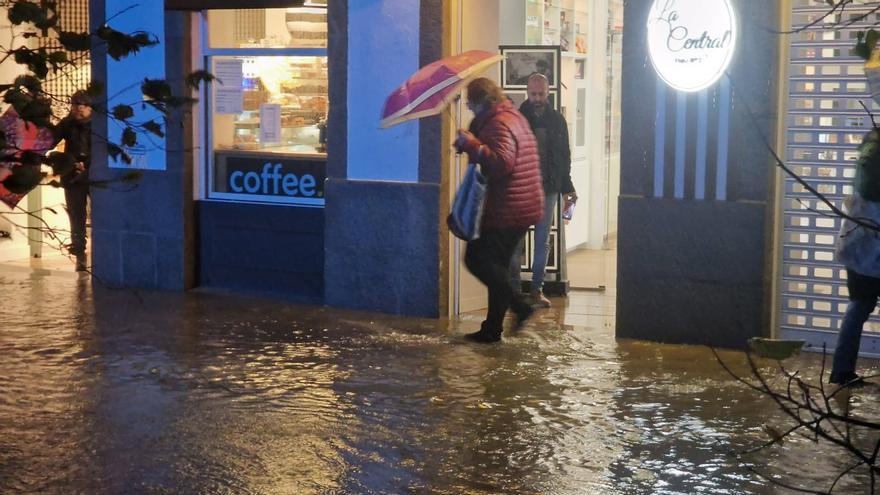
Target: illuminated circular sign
(691, 42)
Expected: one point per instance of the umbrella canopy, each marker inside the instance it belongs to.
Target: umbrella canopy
(434, 86)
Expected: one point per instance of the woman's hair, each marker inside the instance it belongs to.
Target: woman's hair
(485, 92)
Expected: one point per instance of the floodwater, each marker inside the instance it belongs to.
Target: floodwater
(114, 391)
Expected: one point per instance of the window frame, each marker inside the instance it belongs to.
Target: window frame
(207, 117)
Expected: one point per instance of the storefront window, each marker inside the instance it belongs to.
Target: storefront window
(290, 90)
(267, 110)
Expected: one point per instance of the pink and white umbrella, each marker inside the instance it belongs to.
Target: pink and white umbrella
(430, 90)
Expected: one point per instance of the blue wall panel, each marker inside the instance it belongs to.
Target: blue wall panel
(262, 249)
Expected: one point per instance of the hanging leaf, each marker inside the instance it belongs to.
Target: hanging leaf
(31, 83)
(37, 61)
(121, 45)
(75, 42)
(123, 112)
(57, 58)
(156, 89)
(62, 163)
(154, 128)
(95, 89)
(23, 12)
(32, 159)
(194, 79)
(34, 109)
(117, 153)
(129, 137)
(23, 179)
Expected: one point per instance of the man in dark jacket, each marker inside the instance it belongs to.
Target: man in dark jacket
(76, 132)
(551, 132)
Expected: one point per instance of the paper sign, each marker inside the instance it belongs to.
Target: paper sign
(270, 123)
(229, 102)
(228, 94)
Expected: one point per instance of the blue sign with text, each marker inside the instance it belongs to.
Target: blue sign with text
(268, 178)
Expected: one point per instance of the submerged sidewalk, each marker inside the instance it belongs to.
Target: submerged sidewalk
(108, 391)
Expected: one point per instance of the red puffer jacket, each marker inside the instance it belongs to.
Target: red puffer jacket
(507, 153)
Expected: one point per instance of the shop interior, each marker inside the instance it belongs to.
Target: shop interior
(588, 35)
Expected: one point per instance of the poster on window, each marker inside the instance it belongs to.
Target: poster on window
(270, 123)
(228, 93)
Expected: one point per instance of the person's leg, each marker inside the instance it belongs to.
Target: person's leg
(542, 249)
(516, 268)
(76, 197)
(488, 258)
(479, 261)
(863, 293)
(518, 302)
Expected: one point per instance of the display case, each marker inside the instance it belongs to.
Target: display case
(298, 86)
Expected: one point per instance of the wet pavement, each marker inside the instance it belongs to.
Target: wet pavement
(109, 391)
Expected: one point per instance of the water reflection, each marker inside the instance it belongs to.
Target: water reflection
(105, 391)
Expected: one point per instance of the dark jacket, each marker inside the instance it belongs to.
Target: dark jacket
(77, 137)
(556, 158)
(507, 153)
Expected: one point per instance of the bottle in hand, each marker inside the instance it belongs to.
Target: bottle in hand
(568, 209)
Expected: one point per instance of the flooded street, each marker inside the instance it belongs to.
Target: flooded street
(108, 391)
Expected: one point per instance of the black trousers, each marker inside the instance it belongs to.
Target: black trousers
(76, 194)
(488, 258)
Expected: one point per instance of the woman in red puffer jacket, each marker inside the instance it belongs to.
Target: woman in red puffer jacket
(501, 142)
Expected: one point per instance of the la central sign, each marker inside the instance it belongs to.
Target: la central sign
(691, 42)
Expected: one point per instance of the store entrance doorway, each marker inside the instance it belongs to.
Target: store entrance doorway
(588, 36)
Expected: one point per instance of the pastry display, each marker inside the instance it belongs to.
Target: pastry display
(299, 85)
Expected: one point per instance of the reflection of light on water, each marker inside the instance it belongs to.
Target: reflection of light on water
(196, 393)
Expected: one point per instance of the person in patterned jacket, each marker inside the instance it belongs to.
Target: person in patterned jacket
(500, 140)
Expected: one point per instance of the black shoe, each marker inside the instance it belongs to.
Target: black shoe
(485, 335)
(851, 381)
(522, 313)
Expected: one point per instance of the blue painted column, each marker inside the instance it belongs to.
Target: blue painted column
(382, 235)
(142, 236)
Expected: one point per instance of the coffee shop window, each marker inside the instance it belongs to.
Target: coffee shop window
(275, 104)
(270, 98)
